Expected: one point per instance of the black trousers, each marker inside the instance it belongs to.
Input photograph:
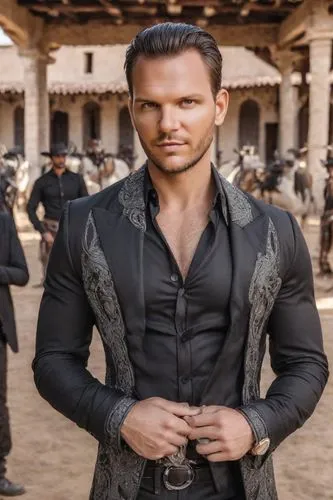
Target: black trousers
(197, 491)
(5, 437)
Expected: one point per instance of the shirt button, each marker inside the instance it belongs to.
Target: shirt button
(184, 380)
(174, 277)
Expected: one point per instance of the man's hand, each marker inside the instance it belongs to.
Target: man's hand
(229, 433)
(154, 428)
(47, 236)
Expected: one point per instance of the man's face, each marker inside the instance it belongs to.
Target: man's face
(59, 161)
(174, 111)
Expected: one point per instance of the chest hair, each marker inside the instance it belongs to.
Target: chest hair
(183, 231)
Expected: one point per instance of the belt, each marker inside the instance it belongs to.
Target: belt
(174, 477)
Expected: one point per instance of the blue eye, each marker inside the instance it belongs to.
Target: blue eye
(148, 105)
(188, 102)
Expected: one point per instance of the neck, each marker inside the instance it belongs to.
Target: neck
(187, 189)
(58, 171)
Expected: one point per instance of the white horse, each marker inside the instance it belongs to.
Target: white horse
(110, 171)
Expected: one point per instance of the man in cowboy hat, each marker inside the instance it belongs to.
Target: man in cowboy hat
(326, 226)
(53, 189)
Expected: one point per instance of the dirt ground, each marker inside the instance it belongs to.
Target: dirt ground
(55, 460)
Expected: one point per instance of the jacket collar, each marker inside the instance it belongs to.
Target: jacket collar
(134, 195)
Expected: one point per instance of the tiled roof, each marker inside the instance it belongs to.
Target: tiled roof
(241, 69)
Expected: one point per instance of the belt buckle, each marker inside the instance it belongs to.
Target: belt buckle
(188, 481)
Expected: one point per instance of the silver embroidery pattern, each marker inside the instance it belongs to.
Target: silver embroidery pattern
(118, 471)
(259, 484)
(264, 287)
(239, 206)
(131, 197)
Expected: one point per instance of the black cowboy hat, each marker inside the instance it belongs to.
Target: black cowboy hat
(59, 149)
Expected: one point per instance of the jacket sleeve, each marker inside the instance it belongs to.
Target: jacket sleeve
(15, 272)
(34, 200)
(296, 351)
(64, 334)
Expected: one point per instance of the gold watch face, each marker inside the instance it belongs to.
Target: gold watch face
(262, 447)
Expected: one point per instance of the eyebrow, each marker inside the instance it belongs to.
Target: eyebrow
(191, 96)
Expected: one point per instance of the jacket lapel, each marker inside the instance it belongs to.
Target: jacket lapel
(121, 235)
(247, 232)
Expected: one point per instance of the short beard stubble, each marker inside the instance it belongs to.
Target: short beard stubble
(199, 153)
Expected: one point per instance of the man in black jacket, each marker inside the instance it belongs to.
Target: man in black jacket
(53, 190)
(13, 271)
(184, 275)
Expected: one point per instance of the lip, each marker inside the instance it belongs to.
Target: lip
(171, 145)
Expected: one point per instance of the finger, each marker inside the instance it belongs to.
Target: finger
(177, 409)
(219, 457)
(210, 448)
(202, 420)
(181, 427)
(166, 451)
(211, 409)
(177, 440)
(210, 432)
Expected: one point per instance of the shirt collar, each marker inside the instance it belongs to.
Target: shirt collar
(51, 172)
(220, 200)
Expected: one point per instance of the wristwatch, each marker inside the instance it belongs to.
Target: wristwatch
(261, 447)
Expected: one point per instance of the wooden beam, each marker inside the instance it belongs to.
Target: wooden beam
(66, 9)
(109, 8)
(94, 33)
(141, 9)
(18, 23)
(295, 24)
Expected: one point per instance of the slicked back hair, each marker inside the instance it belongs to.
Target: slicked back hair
(171, 39)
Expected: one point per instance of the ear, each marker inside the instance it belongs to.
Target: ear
(221, 106)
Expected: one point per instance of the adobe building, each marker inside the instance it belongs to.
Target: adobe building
(87, 95)
(294, 35)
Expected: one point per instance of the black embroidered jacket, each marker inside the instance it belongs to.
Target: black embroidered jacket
(98, 249)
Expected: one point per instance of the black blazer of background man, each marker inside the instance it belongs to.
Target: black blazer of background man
(13, 271)
(90, 274)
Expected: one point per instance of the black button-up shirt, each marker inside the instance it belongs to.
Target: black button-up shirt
(186, 320)
(53, 191)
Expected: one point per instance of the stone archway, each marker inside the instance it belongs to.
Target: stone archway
(19, 127)
(91, 122)
(59, 127)
(249, 124)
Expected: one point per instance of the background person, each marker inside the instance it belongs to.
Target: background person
(53, 189)
(13, 271)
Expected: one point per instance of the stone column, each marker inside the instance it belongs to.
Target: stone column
(288, 96)
(109, 126)
(44, 107)
(75, 122)
(319, 109)
(37, 122)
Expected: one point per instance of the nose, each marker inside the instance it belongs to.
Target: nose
(169, 120)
